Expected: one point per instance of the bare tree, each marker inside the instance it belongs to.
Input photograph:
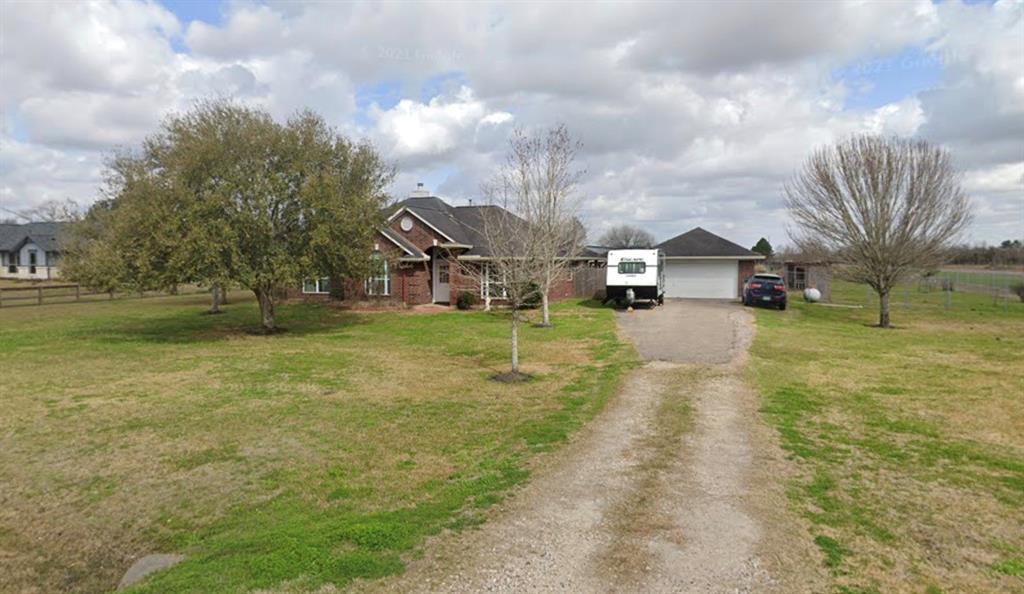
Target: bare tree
(626, 237)
(885, 206)
(529, 226)
(515, 269)
(545, 185)
(53, 211)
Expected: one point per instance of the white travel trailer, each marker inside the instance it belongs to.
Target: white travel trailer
(635, 274)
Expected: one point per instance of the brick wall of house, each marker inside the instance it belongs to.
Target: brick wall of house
(411, 283)
(562, 287)
(462, 277)
(746, 269)
(420, 235)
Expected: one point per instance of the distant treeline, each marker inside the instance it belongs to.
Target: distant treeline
(1007, 253)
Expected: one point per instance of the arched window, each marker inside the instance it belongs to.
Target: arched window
(379, 282)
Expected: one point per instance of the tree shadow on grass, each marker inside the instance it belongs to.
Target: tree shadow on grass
(596, 303)
(188, 324)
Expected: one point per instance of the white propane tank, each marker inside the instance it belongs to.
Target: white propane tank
(813, 295)
(630, 296)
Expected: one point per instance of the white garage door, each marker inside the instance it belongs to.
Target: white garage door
(706, 279)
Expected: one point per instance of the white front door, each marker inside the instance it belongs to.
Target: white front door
(440, 279)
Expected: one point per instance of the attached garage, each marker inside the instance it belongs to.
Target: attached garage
(702, 265)
(701, 279)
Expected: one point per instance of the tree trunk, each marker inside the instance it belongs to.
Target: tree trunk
(223, 295)
(883, 309)
(215, 300)
(544, 306)
(266, 309)
(515, 340)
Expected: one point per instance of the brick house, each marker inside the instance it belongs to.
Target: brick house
(429, 252)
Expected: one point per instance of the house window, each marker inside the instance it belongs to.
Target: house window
(380, 282)
(493, 285)
(632, 267)
(316, 286)
(32, 257)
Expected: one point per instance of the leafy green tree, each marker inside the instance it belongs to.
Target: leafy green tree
(763, 247)
(224, 195)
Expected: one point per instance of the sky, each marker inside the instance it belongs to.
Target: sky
(690, 114)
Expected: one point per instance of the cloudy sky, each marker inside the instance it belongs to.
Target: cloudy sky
(690, 114)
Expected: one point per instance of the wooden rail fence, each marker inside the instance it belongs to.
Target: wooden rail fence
(72, 293)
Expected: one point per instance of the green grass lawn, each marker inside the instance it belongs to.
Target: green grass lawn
(321, 455)
(997, 278)
(909, 442)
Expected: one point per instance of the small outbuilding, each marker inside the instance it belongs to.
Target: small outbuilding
(702, 265)
(803, 274)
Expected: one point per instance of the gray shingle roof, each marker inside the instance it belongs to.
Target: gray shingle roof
(700, 243)
(439, 214)
(461, 224)
(411, 250)
(45, 235)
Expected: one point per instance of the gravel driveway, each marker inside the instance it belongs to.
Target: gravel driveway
(639, 502)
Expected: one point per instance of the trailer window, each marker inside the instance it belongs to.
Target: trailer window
(632, 267)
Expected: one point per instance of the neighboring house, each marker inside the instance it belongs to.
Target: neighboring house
(429, 252)
(29, 250)
(700, 264)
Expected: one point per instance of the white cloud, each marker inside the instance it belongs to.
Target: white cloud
(429, 132)
(690, 114)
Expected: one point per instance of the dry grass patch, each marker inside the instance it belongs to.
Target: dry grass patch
(312, 457)
(908, 442)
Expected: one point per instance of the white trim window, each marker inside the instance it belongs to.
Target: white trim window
(316, 286)
(492, 286)
(380, 283)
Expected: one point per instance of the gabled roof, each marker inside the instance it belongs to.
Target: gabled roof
(700, 243)
(411, 251)
(459, 225)
(462, 225)
(436, 213)
(44, 235)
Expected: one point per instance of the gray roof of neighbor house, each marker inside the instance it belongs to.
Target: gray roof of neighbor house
(700, 243)
(44, 235)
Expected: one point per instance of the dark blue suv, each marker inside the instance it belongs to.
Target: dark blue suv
(766, 289)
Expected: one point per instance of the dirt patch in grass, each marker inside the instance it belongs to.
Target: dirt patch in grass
(511, 377)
